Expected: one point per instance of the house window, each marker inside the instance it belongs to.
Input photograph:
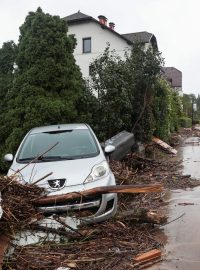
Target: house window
(86, 45)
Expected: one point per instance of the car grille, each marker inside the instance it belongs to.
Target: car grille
(76, 201)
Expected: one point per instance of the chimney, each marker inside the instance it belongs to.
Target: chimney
(112, 26)
(102, 19)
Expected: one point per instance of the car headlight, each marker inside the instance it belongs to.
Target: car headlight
(98, 171)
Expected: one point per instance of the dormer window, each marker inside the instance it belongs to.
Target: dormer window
(87, 45)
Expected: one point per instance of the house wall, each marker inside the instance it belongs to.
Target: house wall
(99, 38)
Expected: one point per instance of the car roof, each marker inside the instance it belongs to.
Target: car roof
(58, 127)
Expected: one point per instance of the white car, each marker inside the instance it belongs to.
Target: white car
(77, 163)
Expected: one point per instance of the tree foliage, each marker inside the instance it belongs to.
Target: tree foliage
(187, 104)
(175, 111)
(113, 99)
(125, 91)
(167, 109)
(144, 70)
(7, 61)
(47, 83)
(46, 87)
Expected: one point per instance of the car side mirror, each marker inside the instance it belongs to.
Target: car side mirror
(8, 157)
(109, 149)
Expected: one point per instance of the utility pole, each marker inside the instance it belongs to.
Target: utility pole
(194, 109)
(192, 112)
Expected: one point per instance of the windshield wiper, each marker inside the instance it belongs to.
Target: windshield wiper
(26, 159)
(43, 159)
(49, 158)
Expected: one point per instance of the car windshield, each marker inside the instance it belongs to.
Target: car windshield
(67, 144)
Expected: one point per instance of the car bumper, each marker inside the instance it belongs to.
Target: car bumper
(101, 207)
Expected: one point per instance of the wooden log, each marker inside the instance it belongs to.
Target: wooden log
(147, 256)
(100, 190)
(142, 215)
(164, 145)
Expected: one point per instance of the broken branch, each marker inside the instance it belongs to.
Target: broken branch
(101, 190)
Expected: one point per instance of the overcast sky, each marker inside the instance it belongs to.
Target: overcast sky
(175, 23)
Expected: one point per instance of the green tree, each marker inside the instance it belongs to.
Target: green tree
(109, 85)
(144, 69)
(47, 83)
(198, 107)
(125, 91)
(176, 111)
(7, 61)
(162, 108)
(187, 104)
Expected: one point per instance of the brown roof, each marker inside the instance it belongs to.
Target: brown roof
(173, 75)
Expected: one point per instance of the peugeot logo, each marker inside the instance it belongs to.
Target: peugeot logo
(56, 183)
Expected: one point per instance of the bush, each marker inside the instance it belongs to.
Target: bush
(196, 122)
(185, 122)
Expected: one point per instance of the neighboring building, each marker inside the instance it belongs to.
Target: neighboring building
(145, 38)
(94, 35)
(174, 78)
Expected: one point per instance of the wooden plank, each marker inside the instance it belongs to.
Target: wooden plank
(100, 190)
(150, 255)
(164, 145)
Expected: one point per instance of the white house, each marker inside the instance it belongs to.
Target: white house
(174, 78)
(93, 36)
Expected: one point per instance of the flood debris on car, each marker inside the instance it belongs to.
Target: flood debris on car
(114, 244)
(22, 217)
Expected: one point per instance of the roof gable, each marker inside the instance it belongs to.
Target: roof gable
(130, 38)
(80, 17)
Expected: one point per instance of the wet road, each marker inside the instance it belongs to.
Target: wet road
(183, 235)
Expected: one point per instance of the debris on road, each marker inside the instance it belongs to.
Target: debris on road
(114, 244)
(186, 203)
(164, 146)
(148, 256)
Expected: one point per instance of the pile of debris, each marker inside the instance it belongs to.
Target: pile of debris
(17, 204)
(94, 247)
(135, 169)
(115, 244)
(111, 245)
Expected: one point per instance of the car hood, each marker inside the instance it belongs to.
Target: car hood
(74, 171)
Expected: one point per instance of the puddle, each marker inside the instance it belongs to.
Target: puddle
(28, 237)
(183, 234)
